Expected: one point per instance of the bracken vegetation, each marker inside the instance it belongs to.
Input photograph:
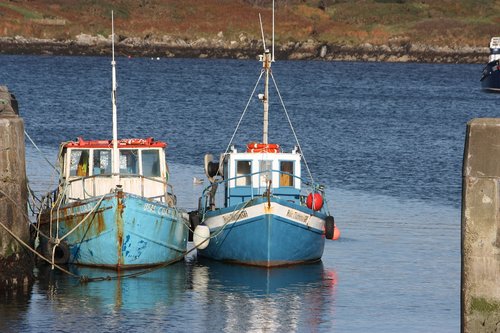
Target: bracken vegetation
(445, 22)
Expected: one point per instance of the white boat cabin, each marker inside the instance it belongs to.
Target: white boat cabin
(86, 168)
(494, 49)
(249, 174)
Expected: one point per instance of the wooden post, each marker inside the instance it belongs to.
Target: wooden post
(481, 227)
(16, 262)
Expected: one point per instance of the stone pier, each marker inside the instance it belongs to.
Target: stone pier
(481, 227)
(16, 262)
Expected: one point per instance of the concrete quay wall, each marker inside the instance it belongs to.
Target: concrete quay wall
(480, 297)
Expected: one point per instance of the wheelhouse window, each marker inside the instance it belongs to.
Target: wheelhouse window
(243, 171)
(151, 163)
(102, 162)
(286, 174)
(265, 172)
(79, 163)
(128, 161)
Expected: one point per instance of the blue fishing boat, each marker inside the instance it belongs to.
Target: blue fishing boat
(490, 79)
(258, 209)
(114, 206)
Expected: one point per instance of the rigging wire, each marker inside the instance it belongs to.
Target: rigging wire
(293, 131)
(244, 111)
(34, 144)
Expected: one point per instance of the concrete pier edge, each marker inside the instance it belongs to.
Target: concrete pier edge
(16, 262)
(480, 232)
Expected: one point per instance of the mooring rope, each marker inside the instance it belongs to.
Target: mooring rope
(236, 213)
(34, 144)
(83, 278)
(35, 252)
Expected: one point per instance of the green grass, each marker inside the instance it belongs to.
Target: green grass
(23, 11)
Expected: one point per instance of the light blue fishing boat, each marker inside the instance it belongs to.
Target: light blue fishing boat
(258, 209)
(114, 206)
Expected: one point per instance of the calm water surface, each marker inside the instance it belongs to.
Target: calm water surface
(386, 140)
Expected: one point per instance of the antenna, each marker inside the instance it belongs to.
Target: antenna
(115, 156)
(262, 31)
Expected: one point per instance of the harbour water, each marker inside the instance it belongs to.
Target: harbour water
(385, 138)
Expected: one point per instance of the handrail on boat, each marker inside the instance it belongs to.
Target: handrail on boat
(209, 192)
(168, 193)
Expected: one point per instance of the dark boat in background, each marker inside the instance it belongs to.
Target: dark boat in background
(490, 81)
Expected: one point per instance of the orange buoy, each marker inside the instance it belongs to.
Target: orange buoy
(318, 201)
(336, 233)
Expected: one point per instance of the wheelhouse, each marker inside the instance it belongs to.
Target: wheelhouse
(86, 168)
(250, 174)
(494, 49)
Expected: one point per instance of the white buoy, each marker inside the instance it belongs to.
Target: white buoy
(200, 234)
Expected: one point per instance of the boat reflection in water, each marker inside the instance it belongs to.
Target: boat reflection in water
(196, 295)
(249, 298)
(157, 289)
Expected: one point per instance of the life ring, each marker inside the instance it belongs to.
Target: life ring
(61, 254)
(254, 147)
(135, 141)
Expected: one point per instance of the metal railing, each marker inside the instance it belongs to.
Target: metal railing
(208, 198)
(166, 195)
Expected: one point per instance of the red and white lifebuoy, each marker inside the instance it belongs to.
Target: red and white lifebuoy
(254, 147)
(135, 141)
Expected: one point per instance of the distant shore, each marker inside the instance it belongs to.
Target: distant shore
(244, 48)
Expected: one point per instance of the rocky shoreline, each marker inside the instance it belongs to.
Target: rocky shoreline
(396, 50)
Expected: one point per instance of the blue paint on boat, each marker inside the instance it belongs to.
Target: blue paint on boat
(121, 235)
(265, 240)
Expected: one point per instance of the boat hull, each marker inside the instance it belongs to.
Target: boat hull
(259, 235)
(124, 231)
(490, 80)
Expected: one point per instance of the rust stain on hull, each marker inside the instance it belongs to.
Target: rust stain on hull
(119, 228)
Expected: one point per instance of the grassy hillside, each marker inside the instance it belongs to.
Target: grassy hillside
(435, 22)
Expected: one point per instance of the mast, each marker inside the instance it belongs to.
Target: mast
(115, 157)
(266, 66)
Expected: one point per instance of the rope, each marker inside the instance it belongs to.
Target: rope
(22, 212)
(85, 279)
(38, 254)
(293, 131)
(84, 219)
(34, 144)
(244, 111)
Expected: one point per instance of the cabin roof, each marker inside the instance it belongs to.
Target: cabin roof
(122, 143)
(495, 43)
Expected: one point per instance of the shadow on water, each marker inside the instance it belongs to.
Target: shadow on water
(13, 308)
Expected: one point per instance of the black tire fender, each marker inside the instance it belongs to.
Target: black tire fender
(329, 227)
(61, 254)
